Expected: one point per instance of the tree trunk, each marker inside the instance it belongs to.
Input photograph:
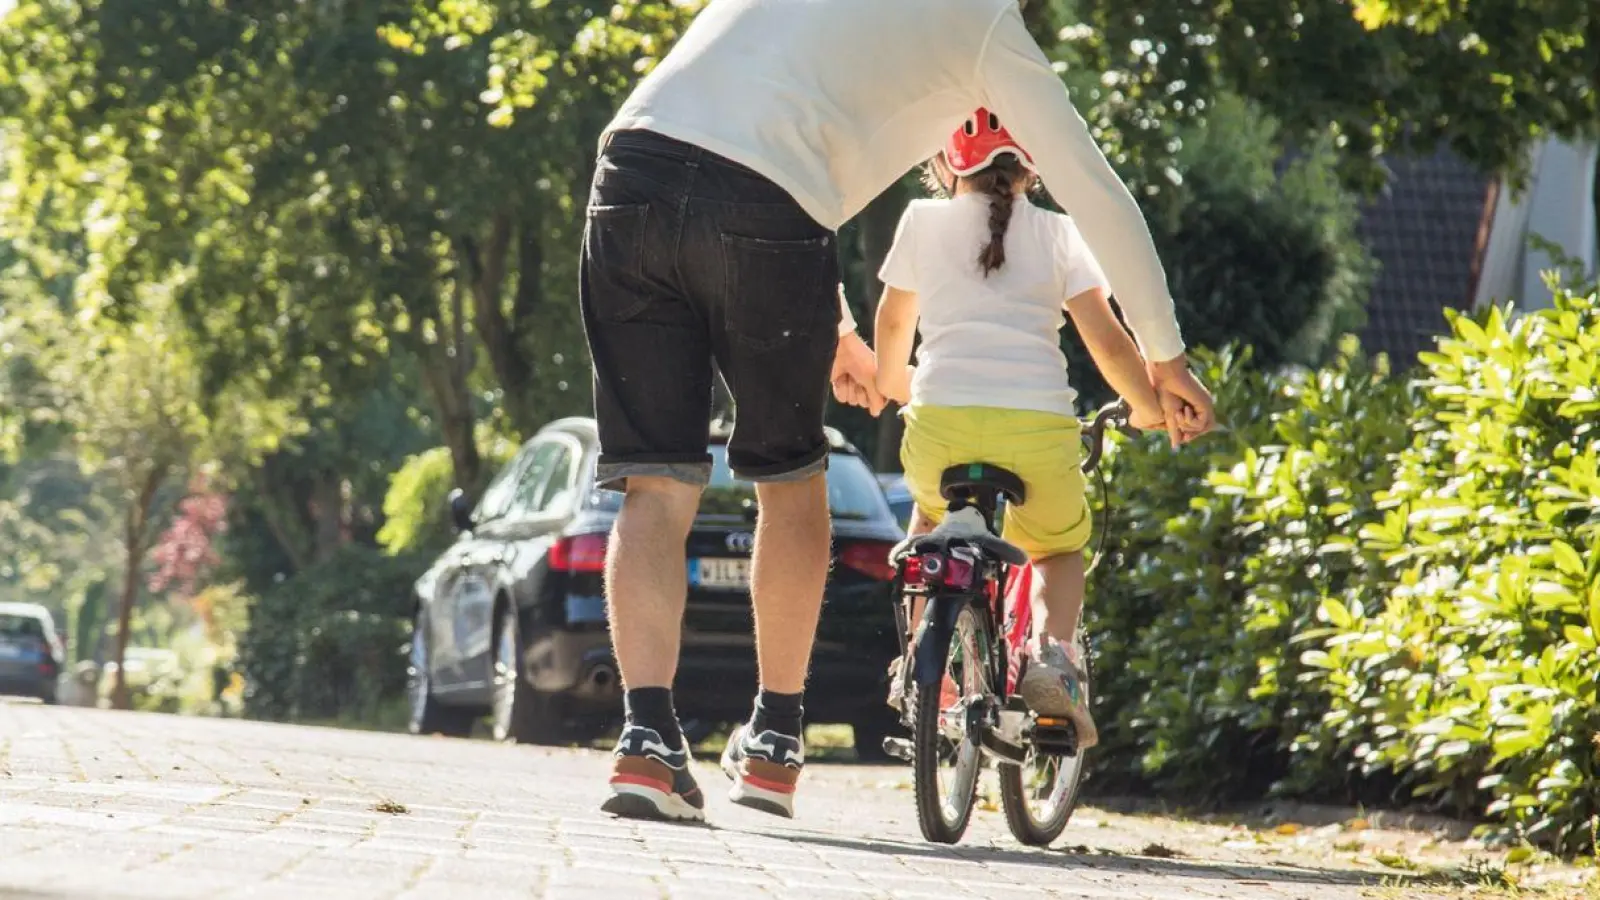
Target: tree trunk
(445, 367)
(877, 227)
(487, 268)
(327, 511)
(281, 508)
(136, 525)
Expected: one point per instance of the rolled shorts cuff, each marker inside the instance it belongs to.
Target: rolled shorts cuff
(805, 467)
(614, 475)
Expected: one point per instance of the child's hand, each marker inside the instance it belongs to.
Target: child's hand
(1146, 417)
(1190, 423)
(896, 386)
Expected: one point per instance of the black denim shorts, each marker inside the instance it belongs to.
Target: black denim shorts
(694, 264)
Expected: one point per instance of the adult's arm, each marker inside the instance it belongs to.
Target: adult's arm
(1028, 96)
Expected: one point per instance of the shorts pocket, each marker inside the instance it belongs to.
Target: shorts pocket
(778, 291)
(613, 259)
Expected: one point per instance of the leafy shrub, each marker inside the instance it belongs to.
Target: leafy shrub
(1259, 253)
(330, 642)
(1371, 590)
(1473, 671)
(414, 507)
(1223, 552)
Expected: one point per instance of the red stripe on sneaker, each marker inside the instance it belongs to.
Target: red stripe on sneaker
(777, 787)
(642, 781)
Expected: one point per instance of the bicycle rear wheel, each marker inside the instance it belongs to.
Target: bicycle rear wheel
(1040, 795)
(947, 757)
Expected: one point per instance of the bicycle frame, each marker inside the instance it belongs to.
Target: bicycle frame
(1002, 591)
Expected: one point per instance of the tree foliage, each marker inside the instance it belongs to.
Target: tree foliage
(1487, 77)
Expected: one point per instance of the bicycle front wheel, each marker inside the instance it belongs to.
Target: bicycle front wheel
(947, 757)
(1039, 796)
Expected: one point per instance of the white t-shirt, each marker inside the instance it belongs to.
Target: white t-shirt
(834, 100)
(990, 341)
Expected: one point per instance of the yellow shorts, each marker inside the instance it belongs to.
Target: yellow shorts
(1044, 449)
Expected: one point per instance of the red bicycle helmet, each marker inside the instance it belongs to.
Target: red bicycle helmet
(978, 142)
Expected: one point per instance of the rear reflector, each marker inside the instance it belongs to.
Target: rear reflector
(870, 558)
(579, 553)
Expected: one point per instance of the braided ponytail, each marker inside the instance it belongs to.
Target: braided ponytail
(999, 183)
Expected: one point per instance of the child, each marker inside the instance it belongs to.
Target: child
(988, 273)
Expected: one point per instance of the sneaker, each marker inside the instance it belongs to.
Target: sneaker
(765, 769)
(948, 694)
(1052, 685)
(649, 780)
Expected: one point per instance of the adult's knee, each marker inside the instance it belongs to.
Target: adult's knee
(790, 499)
(664, 502)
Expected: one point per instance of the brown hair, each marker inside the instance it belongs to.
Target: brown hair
(999, 182)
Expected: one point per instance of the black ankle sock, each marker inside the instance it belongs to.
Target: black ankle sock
(651, 707)
(777, 712)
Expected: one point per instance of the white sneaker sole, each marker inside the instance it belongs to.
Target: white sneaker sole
(753, 796)
(634, 801)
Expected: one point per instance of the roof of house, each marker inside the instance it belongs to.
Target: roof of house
(1423, 229)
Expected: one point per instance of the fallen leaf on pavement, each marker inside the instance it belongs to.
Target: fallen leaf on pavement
(1159, 851)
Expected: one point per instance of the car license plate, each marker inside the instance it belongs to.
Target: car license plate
(720, 573)
(10, 651)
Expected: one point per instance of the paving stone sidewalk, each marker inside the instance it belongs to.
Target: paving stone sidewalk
(106, 804)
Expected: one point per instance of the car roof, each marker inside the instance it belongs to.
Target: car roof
(34, 610)
(584, 429)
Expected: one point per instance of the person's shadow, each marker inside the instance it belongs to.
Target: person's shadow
(1115, 863)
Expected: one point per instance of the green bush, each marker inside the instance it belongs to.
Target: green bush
(1368, 589)
(1259, 253)
(1472, 669)
(1223, 552)
(330, 643)
(414, 507)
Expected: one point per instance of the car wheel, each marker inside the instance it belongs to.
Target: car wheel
(870, 732)
(428, 715)
(518, 713)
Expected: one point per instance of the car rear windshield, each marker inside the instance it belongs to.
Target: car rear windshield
(14, 626)
(853, 491)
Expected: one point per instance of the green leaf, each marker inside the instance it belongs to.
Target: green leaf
(1335, 612)
(1567, 559)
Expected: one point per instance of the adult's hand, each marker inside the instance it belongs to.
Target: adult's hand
(855, 373)
(1189, 409)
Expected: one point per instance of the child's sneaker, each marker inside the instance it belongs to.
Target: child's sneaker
(649, 780)
(1052, 685)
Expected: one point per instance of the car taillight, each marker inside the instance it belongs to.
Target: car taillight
(579, 553)
(870, 558)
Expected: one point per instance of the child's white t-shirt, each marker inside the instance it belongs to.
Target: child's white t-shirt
(990, 341)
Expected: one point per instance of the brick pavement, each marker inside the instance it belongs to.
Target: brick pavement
(104, 804)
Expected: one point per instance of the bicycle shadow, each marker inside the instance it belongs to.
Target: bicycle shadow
(1113, 863)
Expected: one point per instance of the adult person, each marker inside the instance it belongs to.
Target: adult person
(711, 237)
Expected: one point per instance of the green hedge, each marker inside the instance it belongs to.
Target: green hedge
(1371, 588)
(330, 643)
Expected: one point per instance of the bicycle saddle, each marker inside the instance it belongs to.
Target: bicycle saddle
(962, 528)
(970, 480)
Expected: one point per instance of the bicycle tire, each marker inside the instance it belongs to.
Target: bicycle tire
(928, 741)
(1014, 794)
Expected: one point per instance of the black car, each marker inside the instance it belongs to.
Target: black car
(511, 620)
(31, 654)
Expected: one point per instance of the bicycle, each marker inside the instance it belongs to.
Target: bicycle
(957, 677)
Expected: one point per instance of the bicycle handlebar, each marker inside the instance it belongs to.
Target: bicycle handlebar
(1114, 415)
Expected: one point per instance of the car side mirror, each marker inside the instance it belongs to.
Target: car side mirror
(460, 510)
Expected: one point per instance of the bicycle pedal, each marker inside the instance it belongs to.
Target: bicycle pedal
(899, 748)
(1054, 737)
